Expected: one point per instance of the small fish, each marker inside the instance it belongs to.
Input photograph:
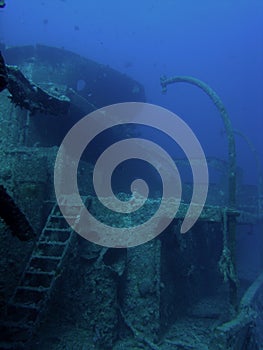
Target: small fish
(76, 27)
(2, 4)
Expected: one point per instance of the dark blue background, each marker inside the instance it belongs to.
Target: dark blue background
(219, 42)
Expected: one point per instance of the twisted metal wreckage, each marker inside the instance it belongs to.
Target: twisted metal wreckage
(26, 95)
(32, 294)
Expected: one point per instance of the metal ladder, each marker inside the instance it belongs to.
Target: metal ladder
(31, 296)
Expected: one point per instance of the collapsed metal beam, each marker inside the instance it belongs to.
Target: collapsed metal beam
(28, 95)
(31, 97)
(14, 218)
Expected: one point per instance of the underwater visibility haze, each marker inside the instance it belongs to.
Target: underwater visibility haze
(131, 179)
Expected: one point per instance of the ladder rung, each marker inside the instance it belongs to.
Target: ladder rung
(71, 216)
(43, 257)
(67, 229)
(30, 297)
(56, 216)
(33, 289)
(52, 243)
(31, 306)
(37, 272)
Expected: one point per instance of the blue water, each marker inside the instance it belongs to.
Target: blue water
(219, 42)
